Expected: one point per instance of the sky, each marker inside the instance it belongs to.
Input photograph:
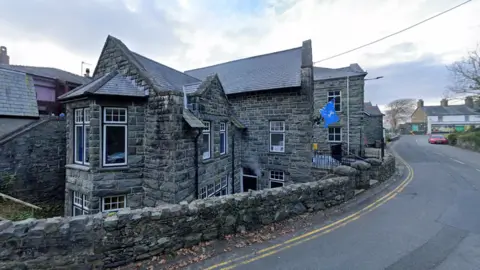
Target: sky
(186, 34)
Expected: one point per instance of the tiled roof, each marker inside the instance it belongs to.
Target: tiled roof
(320, 73)
(449, 110)
(165, 77)
(372, 110)
(269, 71)
(112, 83)
(48, 72)
(17, 94)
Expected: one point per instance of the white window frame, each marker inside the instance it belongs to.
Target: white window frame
(112, 123)
(274, 131)
(81, 119)
(203, 192)
(114, 209)
(223, 131)
(207, 131)
(338, 98)
(277, 177)
(79, 201)
(335, 133)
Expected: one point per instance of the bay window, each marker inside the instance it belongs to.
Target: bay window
(114, 136)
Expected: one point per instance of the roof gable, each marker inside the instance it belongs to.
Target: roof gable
(372, 110)
(17, 94)
(449, 110)
(263, 72)
(158, 76)
(48, 72)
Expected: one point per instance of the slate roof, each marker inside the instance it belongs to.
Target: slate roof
(48, 72)
(165, 77)
(321, 73)
(372, 110)
(449, 110)
(263, 72)
(191, 120)
(17, 94)
(112, 83)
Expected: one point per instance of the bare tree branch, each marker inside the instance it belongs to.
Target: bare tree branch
(466, 74)
(400, 110)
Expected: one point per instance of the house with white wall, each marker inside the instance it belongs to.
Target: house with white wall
(448, 118)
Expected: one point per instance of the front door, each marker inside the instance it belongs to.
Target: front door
(249, 182)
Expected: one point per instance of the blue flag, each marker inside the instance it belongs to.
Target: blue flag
(328, 113)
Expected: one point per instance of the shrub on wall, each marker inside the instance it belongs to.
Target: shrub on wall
(452, 138)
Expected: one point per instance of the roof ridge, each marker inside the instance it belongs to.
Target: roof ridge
(55, 68)
(245, 58)
(103, 80)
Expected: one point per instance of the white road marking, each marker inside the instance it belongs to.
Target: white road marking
(457, 161)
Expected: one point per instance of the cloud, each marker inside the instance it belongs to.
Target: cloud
(189, 34)
(425, 78)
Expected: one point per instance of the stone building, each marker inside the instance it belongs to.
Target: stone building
(373, 124)
(142, 134)
(346, 86)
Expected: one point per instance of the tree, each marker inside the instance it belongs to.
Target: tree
(466, 74)
(399, 111)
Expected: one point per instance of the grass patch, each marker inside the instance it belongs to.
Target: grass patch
(15, 211)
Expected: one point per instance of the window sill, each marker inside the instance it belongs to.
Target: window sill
(208, 160)
(278, 153)
(79, 167)
(113, 168)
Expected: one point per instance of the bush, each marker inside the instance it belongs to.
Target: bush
(471, 137)
(388, 138)
(452, 138)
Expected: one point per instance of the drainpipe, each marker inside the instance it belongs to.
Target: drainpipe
(348, 115)
(196, 162)
(233, 160)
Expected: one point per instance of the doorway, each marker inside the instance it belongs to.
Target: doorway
(249, 180)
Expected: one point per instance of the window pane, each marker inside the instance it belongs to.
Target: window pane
(87, 142)
(79, 143)
(277, 142)
(222, 142)
(206, 145)
(331, 137)
(77, 211)
(115, 144)
(275, 184)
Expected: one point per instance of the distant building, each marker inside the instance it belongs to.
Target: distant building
(49, 83)
(445, 118)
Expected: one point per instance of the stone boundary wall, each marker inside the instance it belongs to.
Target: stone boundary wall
(109, 240)
(32, 164)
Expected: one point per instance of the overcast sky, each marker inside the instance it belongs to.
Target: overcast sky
(187, 34)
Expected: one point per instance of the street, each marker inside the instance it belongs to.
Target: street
(433, 223)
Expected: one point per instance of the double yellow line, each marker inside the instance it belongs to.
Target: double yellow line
(230, 264)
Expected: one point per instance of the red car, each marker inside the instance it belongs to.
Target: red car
(437, 139)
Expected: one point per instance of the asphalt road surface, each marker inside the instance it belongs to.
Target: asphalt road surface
(433, 223)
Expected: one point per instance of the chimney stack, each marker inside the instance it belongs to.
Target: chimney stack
(4, 58)
(87, 72)
(444, 102)
(307, 55)
(420, 103)
(469, 102)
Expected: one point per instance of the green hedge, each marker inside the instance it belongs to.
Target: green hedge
(472, 137)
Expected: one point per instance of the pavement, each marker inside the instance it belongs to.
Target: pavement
(431, 220)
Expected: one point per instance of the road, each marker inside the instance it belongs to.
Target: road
(433, 223)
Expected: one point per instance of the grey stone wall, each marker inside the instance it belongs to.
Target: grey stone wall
(112, 240)
(211, 104)
(356, 97)
(94, 180)
(256, 110)
(373, 127)
(32, 164)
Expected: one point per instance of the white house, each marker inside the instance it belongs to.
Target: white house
(448, 118)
